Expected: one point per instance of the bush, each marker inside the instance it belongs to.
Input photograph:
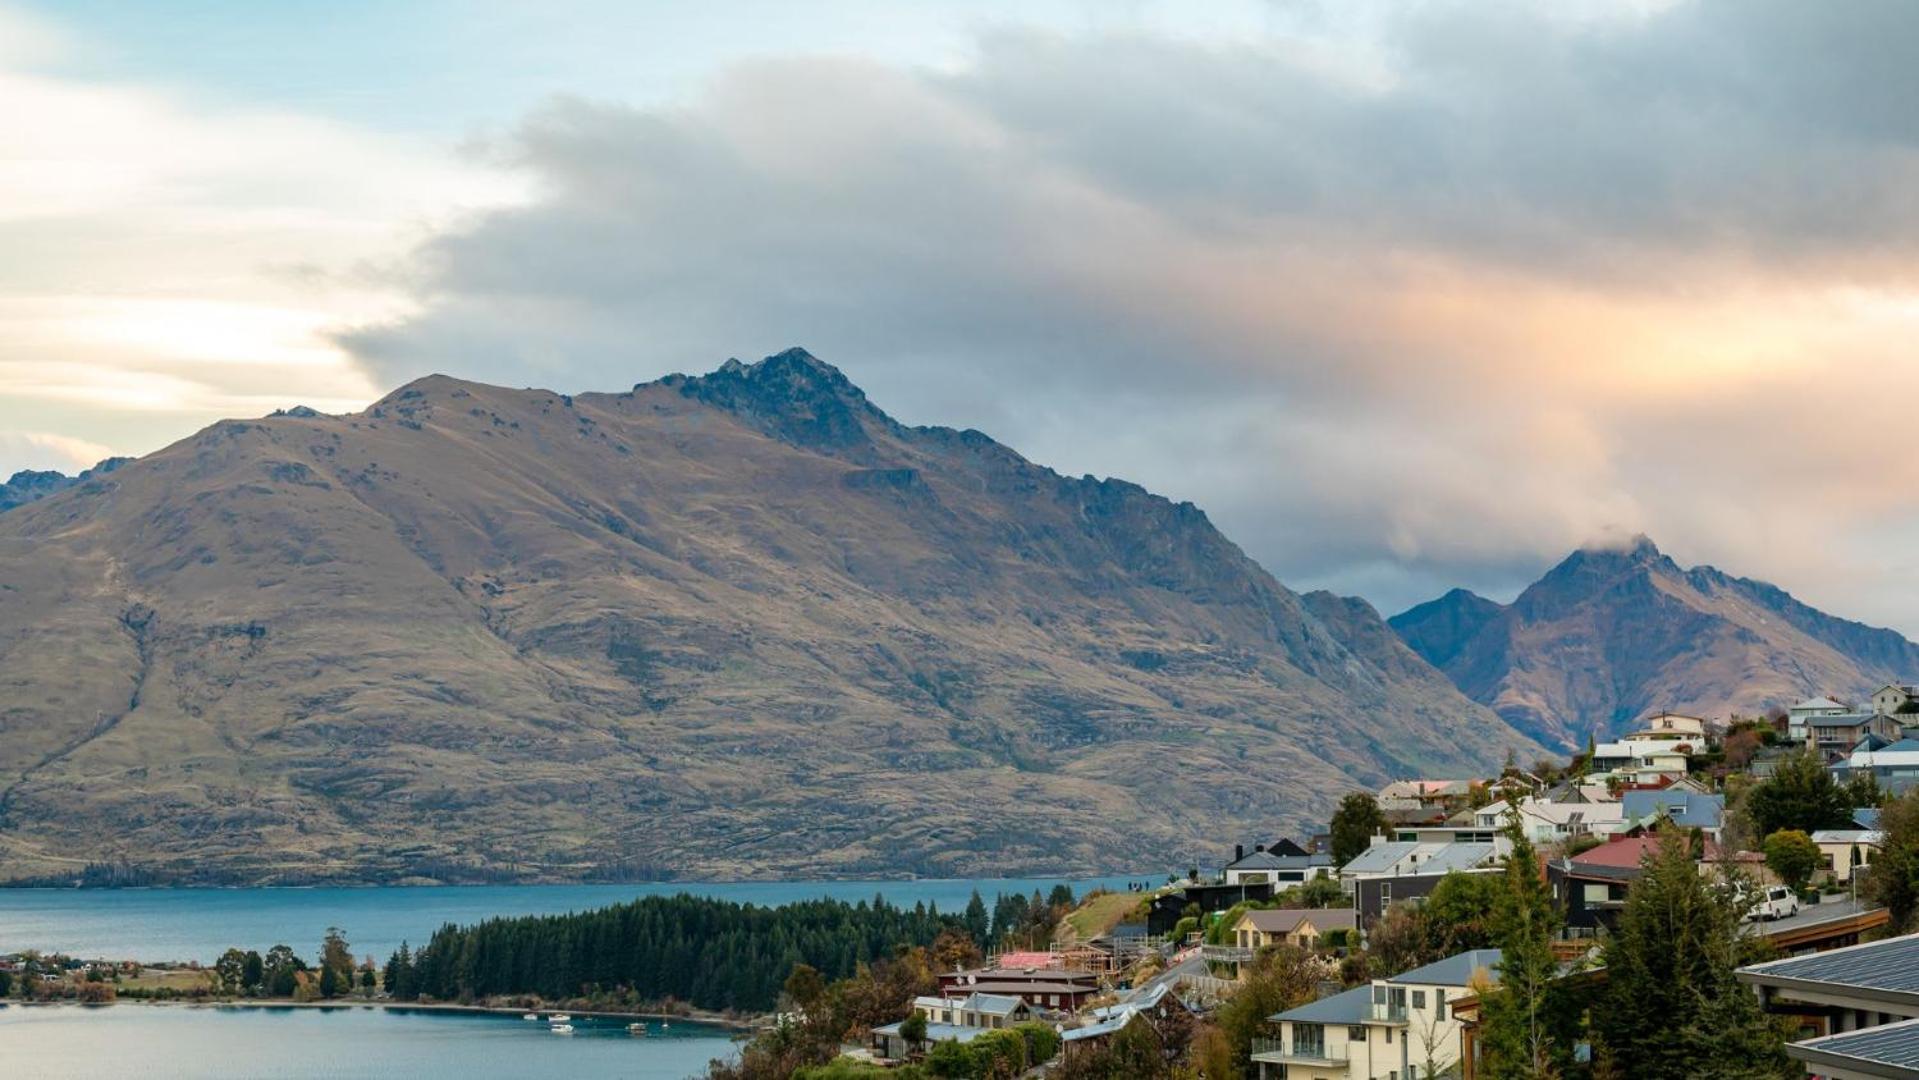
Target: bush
(1042, 1042)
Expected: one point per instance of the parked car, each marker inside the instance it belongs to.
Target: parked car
(1775, 902)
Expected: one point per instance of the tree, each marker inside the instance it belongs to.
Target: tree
(329, 982)
(398, 976)
(1893, 882)
(1279, 978)
(955, 950)
(1354, 824)
(1801, 795)
(1862, 790)
(252, 972)
(6, 983)
(976, 921)
(1463, 913)
(230, 970)
(1672, 1007)
(913, 1029)
(804, 987)
(280, 966)
(1793, 856)
(369, 979)
(1525, 1022)
(336, 956)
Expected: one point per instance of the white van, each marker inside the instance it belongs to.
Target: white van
(1775, 902)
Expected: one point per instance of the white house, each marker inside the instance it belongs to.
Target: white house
(1847, 849)
(1547, 822)
(1402, 1028)
(1890, 698)
(1797, 716)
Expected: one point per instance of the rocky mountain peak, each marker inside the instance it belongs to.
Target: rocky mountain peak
(792, 395)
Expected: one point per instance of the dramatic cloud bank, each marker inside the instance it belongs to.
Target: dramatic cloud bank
(1423, 307)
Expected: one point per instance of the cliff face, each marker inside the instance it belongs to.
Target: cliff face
(740, 623)
(1613, 633)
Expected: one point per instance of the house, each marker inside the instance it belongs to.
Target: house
(1547, 822)
(1462, 827)
(1303, 927)
(1894, 699)
(1641, 762)
(1847, 849)
(1063, 989)
(1392, 870)
(1895, 767)
(1398, 1027)
(1269, 866)
(1856, 1007)
(1797, 716)
(1686, 808)
(1591, 887)
(1442, 795)
(1673, 727)
(1836, 736)
(1156, 1000)
(1165, 910)
(952, 1019)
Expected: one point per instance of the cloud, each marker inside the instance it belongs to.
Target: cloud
(165, 263)
(47, 450)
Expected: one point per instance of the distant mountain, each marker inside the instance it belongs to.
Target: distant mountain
(1612, 633)
(30, 485)
(735, 625)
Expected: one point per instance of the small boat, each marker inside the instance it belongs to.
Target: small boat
(636, 1029)
(562, 1029)
(559, 1018)
(531, 1016)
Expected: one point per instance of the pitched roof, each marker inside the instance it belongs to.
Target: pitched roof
(1848, 836)
(1851, 719)
(997, 1004)
(1457, 970)
(1888, 965)
(1286, 920)
(1351, 1007)
(1866, 817)
(1458, 856)
(1380, 857)
(1891, 1046)
(1819, 703)
(1683, 807)
(1625, 853)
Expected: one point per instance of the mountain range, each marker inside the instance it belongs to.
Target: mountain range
(29, 485)
(735, 625)
(1617, 631)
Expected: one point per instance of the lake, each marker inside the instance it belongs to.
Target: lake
(308, 1044)
(199, 924)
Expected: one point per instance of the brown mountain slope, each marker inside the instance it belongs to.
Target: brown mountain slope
(741, 624)
(1611, 634)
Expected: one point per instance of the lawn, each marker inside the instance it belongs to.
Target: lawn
(1101, 913)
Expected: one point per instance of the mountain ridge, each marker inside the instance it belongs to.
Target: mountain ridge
(740, 624)
(1612, 632)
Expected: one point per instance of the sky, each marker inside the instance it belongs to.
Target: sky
(1405, 296)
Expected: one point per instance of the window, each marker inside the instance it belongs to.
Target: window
(1356, 1034)
(1419, 999)
(1389, 1036)
(1439, 1006)
(1598, 893)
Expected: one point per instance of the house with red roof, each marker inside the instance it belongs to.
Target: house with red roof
(1592, 885)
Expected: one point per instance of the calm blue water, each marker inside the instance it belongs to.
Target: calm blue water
(307, 1044)
(200, 924)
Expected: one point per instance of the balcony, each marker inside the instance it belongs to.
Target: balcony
(1277, 1052)
(1388, 1014)
(1225, 954)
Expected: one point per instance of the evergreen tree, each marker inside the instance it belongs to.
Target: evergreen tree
(977, 922)
(1526, 1033)
(1672, 1008)
(1354, 823)
(1894, 881)
(1800, 794)
(252, 972)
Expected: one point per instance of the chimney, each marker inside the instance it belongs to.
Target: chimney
(1259, 847)
(1239, 852)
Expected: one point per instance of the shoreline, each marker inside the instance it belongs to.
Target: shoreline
(731, 1025)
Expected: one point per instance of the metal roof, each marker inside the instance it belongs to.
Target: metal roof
(1894, 1045)
(1380, 857)
(1354, 1006)
(1889, 965)
(1456, 970)
(1460, 856)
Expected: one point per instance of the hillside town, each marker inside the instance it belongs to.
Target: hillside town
(1400, 942)
(1383, 947)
